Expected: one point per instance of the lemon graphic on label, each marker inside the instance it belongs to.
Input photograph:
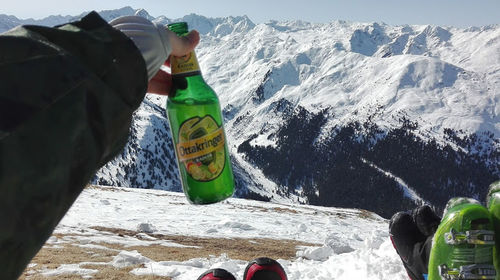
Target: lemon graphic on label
(201, 148)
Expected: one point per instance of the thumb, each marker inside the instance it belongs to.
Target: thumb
(185, 44)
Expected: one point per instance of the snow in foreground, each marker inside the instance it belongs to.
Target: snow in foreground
(351, 244)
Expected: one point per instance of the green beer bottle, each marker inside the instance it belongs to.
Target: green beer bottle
(197, 128)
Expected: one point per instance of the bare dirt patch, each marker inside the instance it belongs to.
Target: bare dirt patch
(51, 257)
(235, 248)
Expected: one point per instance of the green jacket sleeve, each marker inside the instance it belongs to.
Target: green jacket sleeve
(67, 95)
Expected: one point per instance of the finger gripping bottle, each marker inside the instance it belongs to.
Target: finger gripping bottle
(462, 246)
(196, 125)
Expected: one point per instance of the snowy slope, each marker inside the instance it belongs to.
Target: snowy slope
(437, 77)
(386, 104)
(441, 79)
(350, 243)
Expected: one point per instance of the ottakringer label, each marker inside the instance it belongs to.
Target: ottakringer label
(200, 148)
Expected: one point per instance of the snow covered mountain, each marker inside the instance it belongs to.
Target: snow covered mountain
(361, 115)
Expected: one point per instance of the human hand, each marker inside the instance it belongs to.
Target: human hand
(411, 234)
(161, 83)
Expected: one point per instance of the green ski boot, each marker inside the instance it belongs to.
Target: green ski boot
(462, 247)
(493, 203)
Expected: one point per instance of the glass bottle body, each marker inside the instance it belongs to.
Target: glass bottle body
(196, 124)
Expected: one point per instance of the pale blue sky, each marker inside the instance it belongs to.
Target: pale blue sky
(461, 13)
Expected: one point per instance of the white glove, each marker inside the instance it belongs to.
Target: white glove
(151, 39)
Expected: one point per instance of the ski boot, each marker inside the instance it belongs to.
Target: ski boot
(463, 244)
(493, 203)
(216, 274)
(264, 269)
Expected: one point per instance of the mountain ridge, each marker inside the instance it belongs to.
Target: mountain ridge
(331, 114)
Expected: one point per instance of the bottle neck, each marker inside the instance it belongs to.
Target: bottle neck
(185, 66)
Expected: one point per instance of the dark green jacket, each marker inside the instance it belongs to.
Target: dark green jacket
(67, 95)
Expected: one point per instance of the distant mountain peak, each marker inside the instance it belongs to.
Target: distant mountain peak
(143, 13)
